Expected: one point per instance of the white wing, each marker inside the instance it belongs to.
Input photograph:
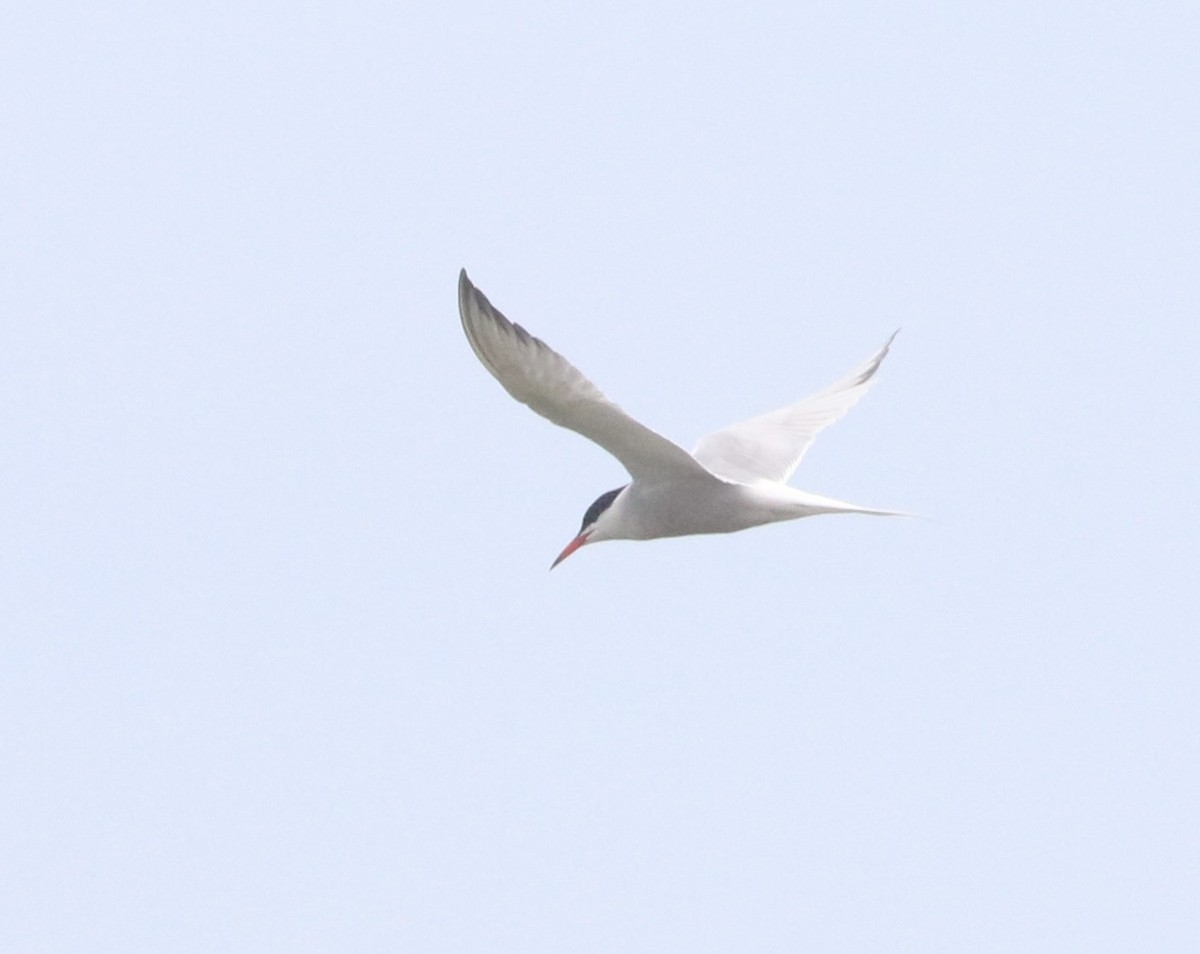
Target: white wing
(770, 446)
(536, 375)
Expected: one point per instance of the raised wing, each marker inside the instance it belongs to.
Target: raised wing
(538, 376)
(770, 446)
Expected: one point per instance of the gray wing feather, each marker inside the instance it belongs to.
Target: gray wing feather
(537, 376)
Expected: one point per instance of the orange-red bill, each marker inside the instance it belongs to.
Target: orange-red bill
(570, 548)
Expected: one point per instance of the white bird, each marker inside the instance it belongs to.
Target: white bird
(735, 478)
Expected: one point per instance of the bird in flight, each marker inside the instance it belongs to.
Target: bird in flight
(735, 478)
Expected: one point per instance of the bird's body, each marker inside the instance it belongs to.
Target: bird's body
(736, 478)
(646, 511)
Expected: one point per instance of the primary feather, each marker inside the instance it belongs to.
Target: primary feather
(538, 376)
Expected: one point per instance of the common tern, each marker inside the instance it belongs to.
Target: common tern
(735, 478)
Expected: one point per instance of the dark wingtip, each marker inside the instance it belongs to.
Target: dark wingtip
(465, 288)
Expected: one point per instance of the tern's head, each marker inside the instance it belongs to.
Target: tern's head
(592, 528)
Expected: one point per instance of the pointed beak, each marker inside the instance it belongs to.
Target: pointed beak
(571, 548)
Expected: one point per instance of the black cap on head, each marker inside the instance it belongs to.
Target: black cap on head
(603, 502)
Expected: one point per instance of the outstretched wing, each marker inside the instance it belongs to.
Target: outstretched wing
(770, 446)
(538, 376)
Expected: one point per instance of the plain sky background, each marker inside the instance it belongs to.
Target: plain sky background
(282, 666)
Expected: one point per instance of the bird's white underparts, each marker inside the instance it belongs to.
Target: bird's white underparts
(734, 478)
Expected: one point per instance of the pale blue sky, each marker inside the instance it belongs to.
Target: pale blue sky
(282, 665)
